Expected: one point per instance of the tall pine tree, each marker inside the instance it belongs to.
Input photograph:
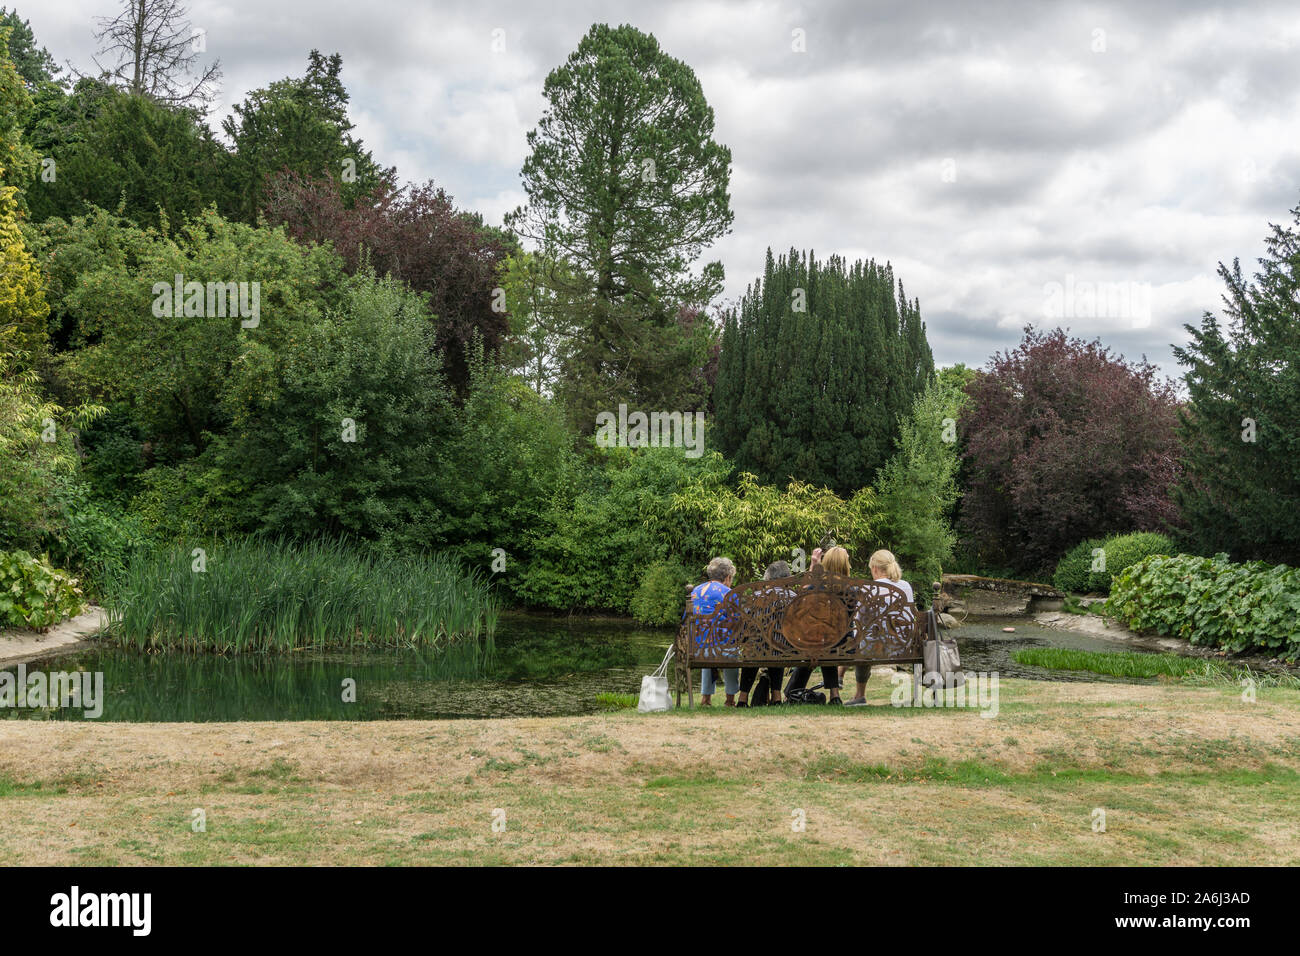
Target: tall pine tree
(816, 367)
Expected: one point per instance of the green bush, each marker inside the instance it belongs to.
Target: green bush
(1212, 601)
(34, 594)
(97, 538)
(608, 521)
(756, 524)
(662, 595)
(1074, 572)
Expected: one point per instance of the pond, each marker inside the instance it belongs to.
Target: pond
(541, 667)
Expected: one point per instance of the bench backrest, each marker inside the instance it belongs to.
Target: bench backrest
(808, 617)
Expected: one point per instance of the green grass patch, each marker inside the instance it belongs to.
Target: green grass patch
(1133, 664)
(610, 701)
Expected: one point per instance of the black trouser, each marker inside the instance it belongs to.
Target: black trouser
(799, 678)
(750, 674)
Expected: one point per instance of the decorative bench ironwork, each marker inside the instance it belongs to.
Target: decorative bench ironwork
(811, 619)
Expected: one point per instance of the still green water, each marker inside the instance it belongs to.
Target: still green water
(539, 667)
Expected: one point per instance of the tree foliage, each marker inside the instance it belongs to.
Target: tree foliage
(300, 125)
(34, 63)
(626, 186)
(17, 158)
(416, 235)
(172, 368)
(1065, 441)
(817, 365)
(1240, 491)
(918, 485)
(124, 152)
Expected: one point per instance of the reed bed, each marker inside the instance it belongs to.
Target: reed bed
(258, 595)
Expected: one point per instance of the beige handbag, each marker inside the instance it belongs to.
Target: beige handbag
(942, 661)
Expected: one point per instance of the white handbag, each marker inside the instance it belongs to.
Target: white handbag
(654, 689)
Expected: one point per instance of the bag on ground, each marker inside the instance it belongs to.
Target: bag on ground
(654, 689)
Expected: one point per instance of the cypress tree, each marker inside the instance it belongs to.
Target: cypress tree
(815, 393)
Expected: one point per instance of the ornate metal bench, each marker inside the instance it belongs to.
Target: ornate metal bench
(812, 618)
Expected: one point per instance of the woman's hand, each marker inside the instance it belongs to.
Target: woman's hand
(816, 557)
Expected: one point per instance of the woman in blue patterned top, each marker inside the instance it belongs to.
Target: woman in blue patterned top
(704, 600)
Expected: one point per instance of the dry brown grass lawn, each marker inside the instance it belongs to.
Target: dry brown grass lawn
(1186, 775)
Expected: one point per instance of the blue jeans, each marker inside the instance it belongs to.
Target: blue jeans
(730, 680)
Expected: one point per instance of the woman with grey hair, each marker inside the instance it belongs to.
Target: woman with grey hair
(774, 674)
(704, 600)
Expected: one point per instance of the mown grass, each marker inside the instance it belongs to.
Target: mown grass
(256, 595)
(1186, 775)
(1138, 665)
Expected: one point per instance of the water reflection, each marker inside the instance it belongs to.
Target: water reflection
(539, 667)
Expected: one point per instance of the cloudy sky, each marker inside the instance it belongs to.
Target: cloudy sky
(1007, 158)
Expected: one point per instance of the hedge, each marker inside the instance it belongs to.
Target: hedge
(1212, 601)
(1074, 572)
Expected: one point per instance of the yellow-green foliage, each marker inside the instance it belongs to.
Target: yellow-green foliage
(23, 308)
(757, 524)
(17, 159)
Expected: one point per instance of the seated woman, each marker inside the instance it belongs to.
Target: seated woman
(775, 674)
(705, 600)
(885, 569)
(834, 561)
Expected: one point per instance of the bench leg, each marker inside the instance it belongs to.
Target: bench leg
(917, 688)
(690, 690)
(677, 678)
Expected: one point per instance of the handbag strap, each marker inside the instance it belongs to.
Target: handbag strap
(931, 625)
(662, 669)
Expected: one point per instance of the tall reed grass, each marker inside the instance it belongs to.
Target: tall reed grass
(262, 596)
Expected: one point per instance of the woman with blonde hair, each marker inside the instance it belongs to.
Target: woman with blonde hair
(834, 561)
(885, 569)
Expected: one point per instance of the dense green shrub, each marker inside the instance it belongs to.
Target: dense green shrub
(608, 523)
(511, 454)
(96, 539)
(756, 524)
(662, 594)
(1074, 571)
(1212, 601)
(36, 450)
(34, 594)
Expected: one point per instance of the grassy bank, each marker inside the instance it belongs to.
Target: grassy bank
(256, 595)
(1192, 775)
(1193, 670)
